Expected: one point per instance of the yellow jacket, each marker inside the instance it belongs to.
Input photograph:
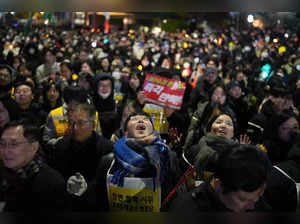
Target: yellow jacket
(60, 121)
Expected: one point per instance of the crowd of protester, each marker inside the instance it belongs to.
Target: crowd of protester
(75, 126)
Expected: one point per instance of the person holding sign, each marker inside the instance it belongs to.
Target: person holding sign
(143, 171)
(165, 94)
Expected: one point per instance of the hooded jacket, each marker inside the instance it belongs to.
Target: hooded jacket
(108, 104)
(108, 115)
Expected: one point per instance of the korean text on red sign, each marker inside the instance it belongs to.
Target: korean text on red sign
(164, 91)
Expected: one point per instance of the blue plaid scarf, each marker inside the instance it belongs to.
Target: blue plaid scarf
(135, 158)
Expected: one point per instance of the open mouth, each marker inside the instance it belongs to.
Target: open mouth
(222, 132)
(140, 127)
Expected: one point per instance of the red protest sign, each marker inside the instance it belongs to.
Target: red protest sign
(185, 184)
(164, 91)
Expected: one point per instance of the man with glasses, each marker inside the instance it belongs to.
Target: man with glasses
(57, 120)
(26, 182)
(77, 157)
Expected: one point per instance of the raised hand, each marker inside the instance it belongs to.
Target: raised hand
(244, 139)
(175, 138)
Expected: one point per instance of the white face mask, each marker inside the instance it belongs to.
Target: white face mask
(298, 67)
(104, 95)
(247, 48)
(116, 75)
(265, 54)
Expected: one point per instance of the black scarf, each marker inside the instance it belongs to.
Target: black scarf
(18, 178)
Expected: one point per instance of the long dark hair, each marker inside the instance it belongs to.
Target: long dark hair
(47, 87)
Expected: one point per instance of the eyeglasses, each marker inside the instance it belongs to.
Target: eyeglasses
(79, 123)
(11, 145)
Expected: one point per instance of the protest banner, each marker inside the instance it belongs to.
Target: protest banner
(137, 195)
(164, 91)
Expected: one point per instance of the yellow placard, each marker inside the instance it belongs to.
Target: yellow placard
(133, 200)
(158, 117)
(118, 97)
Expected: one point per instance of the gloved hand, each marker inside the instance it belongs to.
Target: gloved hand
(76, 184)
